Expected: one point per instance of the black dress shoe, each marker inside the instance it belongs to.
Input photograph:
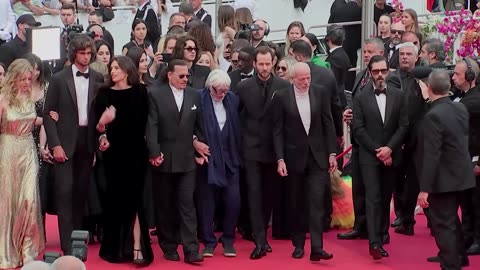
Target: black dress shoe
(436, 259)
(298, 253)
(194, 257)
(258, 253)
(397, 222)
(385, 239)
(474, 249)
(405, 229)
(268, 248)
(376, 252)
(383, 252)
(172, 256)
(351, 235)
(316, 256)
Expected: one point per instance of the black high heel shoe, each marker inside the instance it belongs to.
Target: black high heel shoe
(136, 260)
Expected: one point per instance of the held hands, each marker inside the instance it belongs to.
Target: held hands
(348, 116)
(157, 161)
(46, 155)
(104, 144)
(476, 170)
(59, 154)
(332, 160)
(282, 168)
(107, 117)
(423, 199)
(200, 160)
(384, 154)
(202, 149)
(54, 115)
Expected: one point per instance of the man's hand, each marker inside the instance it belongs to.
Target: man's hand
(383, 153)
(476, 170)
(348, 116)
(107, 117)
(54, 115)
(199, 160)
(282, 168)
(202, 149)
(59, 154)
(104, 144)
(157, 161)
(388, 161)
(46, 155)
(424, 89)
(423, 199)
(332, 160)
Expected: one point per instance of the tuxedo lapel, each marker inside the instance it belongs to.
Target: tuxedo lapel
(187, 106)
(373, 102)
(91, 89)
(313, 107)
(171, 103)
(71, 85)
(389, 106)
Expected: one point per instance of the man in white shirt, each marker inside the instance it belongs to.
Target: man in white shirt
(7, 21)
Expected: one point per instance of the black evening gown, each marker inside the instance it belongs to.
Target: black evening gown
(125, 164)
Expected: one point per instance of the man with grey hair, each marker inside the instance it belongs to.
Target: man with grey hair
(444, 168)
(433, 53)
(36, 265)
(219, 176)
(68, 263)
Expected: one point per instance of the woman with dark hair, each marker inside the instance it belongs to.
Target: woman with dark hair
(139, 34)
(226, 26)
(123, 107)
(140, 60)
(312, 40)
(203, 34)
(186, 49)
(102, 58)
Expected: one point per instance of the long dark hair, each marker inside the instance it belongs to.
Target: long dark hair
(134, 24)
(314, 41)
(126, 64)
(179, 51)
(100, 43)
(36, 61)
(135, 53)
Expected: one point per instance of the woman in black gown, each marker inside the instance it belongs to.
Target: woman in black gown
(122, 110)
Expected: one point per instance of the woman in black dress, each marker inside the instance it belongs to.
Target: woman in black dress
(122, 110)
(139, 35)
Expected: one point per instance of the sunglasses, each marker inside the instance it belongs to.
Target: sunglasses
(218, 92)
(284, 69)
(183, 76)
(378, 71)
(190, 49)
(393, 31)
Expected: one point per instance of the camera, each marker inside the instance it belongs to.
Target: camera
(246, 31)
(75, 29)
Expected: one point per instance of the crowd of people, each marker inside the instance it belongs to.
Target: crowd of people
(186, 134)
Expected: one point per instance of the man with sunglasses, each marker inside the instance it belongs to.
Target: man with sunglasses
(379, 128)
(175, 118)
(391, 53)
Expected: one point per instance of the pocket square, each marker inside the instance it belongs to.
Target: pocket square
(194, 107)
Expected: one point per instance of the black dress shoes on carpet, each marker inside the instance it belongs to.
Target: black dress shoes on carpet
(378, 252)
(474, 249)
(172, 256)
(351, 235)
(258, 253)
(436, 259)
(397, 222)
(298, 253)
(268, 248)
(318, 255)
(193, 258)
(405, 229)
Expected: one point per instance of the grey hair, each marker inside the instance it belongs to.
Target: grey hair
(408, 45)
(437, 46)
(439, 82)
(218, 77)
(298, 66)
(36, 265)
(377, 42)
(72, 262)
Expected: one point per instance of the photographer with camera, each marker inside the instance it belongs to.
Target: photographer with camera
(261, 30)
(17, 48)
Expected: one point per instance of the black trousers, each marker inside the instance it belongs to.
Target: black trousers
(206, 197)
(72, 179)
(261, 178)
(470, 204)
(243, 223)
(175, 215)
(306, 208)
(379, 182)
(358, 194)
(447, 228)
(406, 194)
(279, 215)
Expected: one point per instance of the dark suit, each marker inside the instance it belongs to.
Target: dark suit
(79, 143)
(199, 76)
(371, 133)
(204, 17)
(471, 202)
(393, 61)
(306, 157)
(170, 132)
(236, 77)
(256, 118)
(445, 172)
(149, 15)
(340, 64)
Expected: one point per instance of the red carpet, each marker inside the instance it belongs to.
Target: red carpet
(405, 253)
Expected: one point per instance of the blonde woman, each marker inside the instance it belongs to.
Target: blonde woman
(21, 229)
(295, 31)
(284, 67)
(410, 20)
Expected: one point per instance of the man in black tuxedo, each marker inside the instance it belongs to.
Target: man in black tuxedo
(464, 77)
(379, 127)
(146, 13)
(72, 138)
(201, 13)
(305, 145)
(245, 67)
(174, 119)
(445, 169)
(256, 119)
(391, 50)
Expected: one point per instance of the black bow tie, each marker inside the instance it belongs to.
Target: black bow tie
(382, 91)
(85, 75)
(461, 94)
(245, 76)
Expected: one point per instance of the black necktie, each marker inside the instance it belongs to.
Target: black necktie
(85, 75)
(380, 91)
(245, 76)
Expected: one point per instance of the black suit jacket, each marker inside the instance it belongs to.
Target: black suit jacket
(370, 132)
(148, 14)
(199, 76)
(256, 117)
(235, 77)
(291, 141)
(324, 77)
(395, 59)
(204, 17)
(62, 98)
(471, 100)
(445, 164)
(340, 64)
(171, 132)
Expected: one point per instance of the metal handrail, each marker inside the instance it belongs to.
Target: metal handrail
(330, 24)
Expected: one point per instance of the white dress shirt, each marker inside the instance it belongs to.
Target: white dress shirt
(7, 20)
(382, 104)
(303, 105)
(333, 49)
(81, 89)
(178, 95)
(220, 113)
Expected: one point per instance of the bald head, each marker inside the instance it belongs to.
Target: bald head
(36, 265)
(68, 263)
(301, 77)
